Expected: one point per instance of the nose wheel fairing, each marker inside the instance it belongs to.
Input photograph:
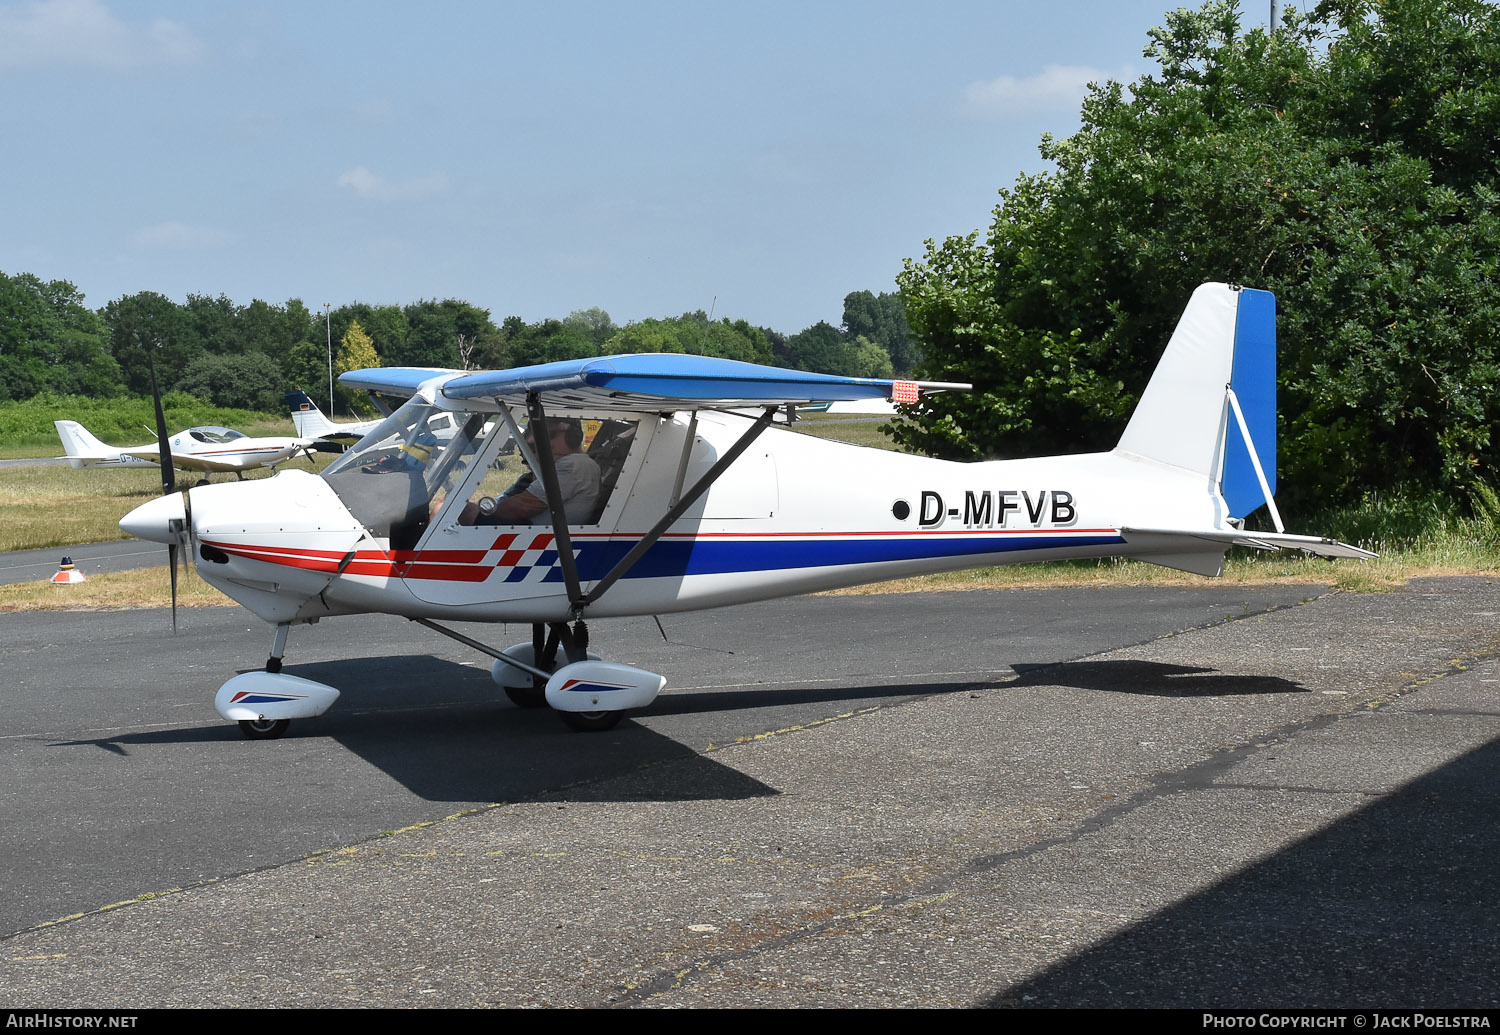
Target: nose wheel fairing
(258, 697)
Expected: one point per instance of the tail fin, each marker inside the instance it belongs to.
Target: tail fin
(1219, 367)
(308, 419)
(82, 449)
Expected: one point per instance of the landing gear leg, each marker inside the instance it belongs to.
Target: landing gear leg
(278, 648)
(263, 728)
(544, 651)
(576, 642)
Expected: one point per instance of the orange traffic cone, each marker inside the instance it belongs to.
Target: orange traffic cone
(67, 574)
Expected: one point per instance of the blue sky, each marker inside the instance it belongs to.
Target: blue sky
(645, 157)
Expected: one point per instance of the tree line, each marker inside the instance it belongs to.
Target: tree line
(1346, 162)
(246, 356)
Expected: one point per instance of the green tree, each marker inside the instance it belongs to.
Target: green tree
(356, 351)
(385, 324)
(50, 341)
(253, 381)
(306, 367)
(882, 319)
(215, 323)
(1346, 163)
(594, 323)
(695, 335)
(822, 348)
(868, 359)
(144, 323)
(547, 341)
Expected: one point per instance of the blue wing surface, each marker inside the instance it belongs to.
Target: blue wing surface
(648, 379)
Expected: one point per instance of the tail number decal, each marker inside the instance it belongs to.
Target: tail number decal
(1005, 508)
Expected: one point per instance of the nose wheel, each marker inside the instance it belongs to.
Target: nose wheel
(591, 722)
(264, 729)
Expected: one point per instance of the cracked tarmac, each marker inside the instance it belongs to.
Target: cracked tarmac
(1290, 806)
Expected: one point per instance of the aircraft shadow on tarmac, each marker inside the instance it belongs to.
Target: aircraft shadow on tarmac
(1151, 678)
(1394, 906)
(749, 698)
(446, 733)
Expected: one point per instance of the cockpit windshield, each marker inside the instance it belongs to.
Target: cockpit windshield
(214, 433)
(394, 479)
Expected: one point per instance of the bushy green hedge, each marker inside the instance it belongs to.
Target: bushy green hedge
(119, 422)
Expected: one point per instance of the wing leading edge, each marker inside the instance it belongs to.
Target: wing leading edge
(650, 380)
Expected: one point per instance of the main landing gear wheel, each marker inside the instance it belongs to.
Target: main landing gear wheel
(532, 696)
(591, 722)
(264, 729)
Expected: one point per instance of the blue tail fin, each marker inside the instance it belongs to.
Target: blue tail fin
(1223, 352)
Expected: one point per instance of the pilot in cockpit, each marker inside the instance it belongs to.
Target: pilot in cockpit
(525, 501)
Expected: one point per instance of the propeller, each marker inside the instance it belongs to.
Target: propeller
(169, 485)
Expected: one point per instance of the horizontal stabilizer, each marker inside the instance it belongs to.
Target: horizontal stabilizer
(1255, 540)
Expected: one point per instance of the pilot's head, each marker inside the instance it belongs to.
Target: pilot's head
(564, 431)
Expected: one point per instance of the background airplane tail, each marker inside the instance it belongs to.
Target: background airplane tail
(1210, 406)
(309, 420)
(80, 446)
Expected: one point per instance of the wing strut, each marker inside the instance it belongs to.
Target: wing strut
(498, 655)
(680, 507)
(542, 443)
(1260, 472)
(542, 439)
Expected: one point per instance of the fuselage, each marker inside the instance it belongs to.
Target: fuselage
(793, 514)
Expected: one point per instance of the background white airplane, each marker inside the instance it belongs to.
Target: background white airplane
(208, 449)
(659, 493)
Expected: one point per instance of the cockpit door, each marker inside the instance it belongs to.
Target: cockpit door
(470, 556)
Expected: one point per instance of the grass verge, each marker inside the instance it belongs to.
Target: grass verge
(145, 587)
(58, 506)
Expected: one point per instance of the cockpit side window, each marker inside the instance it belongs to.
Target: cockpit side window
(590, 455)
(395, 478)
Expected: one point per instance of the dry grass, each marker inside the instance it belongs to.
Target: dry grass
(1382, 575)
(857, 431)
(150, 587)
(58, 506)
(146, 587)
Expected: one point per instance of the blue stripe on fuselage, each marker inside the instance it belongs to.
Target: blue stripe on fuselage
(676, 558)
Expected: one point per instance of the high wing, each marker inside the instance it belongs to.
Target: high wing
(399, 381)
(647, 381)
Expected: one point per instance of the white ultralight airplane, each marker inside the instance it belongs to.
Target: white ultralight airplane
(208, 449)
(701, 503)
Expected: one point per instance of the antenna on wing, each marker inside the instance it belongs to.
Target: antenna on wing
(703, 335)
